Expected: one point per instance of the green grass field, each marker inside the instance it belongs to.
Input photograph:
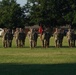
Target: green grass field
(38, 61)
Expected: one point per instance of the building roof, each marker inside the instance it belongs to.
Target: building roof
(35, 26)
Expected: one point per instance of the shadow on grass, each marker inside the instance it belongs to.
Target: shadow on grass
(40, 47)
(62, 47)
(54, 47)
(37, 69)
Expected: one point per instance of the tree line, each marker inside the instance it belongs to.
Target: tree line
(46, 12)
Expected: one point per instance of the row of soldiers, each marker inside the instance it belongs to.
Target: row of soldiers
(20, 37)
(8, 37)
(47, 34)
(59, 35)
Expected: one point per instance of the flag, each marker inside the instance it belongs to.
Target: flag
(40, 30)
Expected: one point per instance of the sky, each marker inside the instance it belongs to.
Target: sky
(21, 2)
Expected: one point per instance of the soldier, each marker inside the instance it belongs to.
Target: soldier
(41, 30)
(30, 37)
(21, 37)
(42, 39)
(61, 35)
(4, 37)
(46, 39)
(35, 36)
(69, 37)
(24, 37)
(56, 36)
(16, 35)
(74, 37)
(9, 38)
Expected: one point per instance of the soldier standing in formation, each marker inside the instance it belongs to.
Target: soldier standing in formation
(56, 36)
(16, 35)
(74, 37)
(35, 36)
(21, 38)
(42, 38)
(9, 38)
(61, 36)
(4, 37)
(24, 37)
(70, 38)
(46, 38)
(41, 30)
(30, 34)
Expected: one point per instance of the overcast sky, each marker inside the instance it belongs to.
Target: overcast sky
(21, 2)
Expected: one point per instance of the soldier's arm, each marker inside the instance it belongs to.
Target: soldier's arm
(54, 34)
(2, 33)
(67, 34)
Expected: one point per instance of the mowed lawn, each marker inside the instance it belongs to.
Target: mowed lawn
(38, 61)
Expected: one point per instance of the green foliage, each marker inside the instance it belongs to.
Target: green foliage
(11, 14)
(53, 12)
(46, 12)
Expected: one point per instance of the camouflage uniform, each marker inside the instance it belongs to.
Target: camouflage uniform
(56, 36)
(16, 35)
(69, 37)
(30, 36)
(4, 37)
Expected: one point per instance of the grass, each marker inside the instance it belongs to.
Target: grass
(38, 61)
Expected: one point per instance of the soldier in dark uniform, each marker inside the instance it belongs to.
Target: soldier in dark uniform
(74, 37)
(24, 37)
(61, 35)
(9, 38)
(46, 38)
(35, 36)
(21, 38)
(42, 38)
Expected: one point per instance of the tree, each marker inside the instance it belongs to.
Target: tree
(46, 12)
(11, 14)
(53, 12)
